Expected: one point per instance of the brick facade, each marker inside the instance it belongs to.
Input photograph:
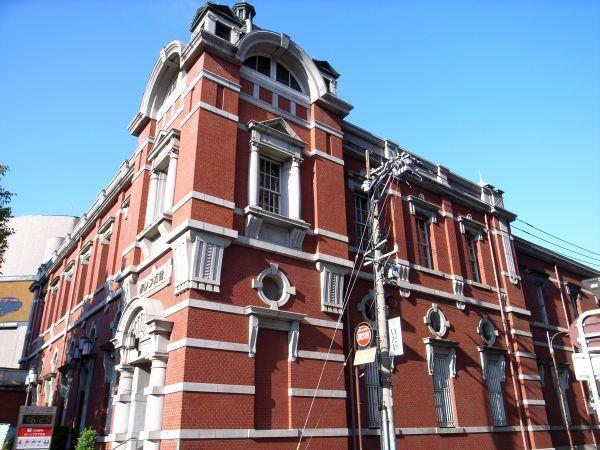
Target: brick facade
(151, 323)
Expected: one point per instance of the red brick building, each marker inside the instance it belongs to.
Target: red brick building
(196, 302)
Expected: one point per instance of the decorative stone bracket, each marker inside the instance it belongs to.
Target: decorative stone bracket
(332, 287)
(418, 205)
(441, 346)
(198, 258)
(490, 353)
(468, 225)
(294, 229)
(259, 317)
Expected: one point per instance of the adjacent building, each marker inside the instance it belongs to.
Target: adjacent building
(208, 297)
(32, 243)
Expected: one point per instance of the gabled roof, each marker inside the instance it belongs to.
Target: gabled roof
(221, 10)
(326, 67)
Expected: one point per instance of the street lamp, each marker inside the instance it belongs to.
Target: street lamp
(559, 386)
(30, 382)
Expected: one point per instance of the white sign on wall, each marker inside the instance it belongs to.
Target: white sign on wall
(159, 278)
(395, 332)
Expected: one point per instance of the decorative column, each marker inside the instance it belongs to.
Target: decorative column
(151, 197)
(170, 186)
(253, 174)
(295, 190)
(154, 405)
(122, 400)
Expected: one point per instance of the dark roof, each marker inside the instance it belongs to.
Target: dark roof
(221, 10)
(327, 68)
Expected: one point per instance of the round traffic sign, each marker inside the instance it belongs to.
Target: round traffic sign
(363, 335)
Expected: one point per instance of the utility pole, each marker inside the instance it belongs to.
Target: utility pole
(375, 185)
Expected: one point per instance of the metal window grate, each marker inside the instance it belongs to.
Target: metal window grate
(444, 404)
(494, 377)
(373, 393)
(270, 185)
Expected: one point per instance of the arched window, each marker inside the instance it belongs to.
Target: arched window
(273, 69)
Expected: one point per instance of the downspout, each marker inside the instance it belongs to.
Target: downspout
(507, 338)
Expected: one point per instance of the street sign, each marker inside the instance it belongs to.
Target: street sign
(592, 332)
(395, 332)
(34, 428)
(365, 356)
(363, 335)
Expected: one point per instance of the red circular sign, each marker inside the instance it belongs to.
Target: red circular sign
(363, 334)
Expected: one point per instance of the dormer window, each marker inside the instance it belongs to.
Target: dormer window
(223, 31)
(275, 70)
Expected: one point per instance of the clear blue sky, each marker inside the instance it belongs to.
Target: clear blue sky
(511, 88)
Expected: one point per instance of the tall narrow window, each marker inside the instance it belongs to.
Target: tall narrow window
(472, 258)
(444, 402)
(361, 220)
(423, 246)
(159, 205)
(563, 374)
(270, 185)
(573, 291)
(494, 375)
(539, 291)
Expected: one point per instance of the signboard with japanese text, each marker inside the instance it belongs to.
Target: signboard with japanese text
(395, 333)
(34, 428)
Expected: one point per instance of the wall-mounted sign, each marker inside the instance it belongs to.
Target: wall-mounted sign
(363, 335)
(159, 278)
(34, 428)
(395, 333)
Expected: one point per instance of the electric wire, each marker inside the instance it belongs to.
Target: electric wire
(351, 283)
(556, 237)
(557, 245)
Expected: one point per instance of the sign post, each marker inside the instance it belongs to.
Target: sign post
(34, 428)
(363, 338)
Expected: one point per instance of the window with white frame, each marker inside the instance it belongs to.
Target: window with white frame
(273, 69)
(163, 158)
(274, 189)
(361, 220)
(472, 258)
(270, 185)
(423, 242)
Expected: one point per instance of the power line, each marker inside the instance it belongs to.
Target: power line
(556, 237)
(559, 246)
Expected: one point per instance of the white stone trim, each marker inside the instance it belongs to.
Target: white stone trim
(546, 326)
(322, 393)
(525, 355)
(330, 234)
(204, 197)
(533, 402)
(306, 354)
(555, 346)
(211, 108)
(174, 116)
(207, 343)
(324, 127)
(188, 386)
(279, 112)
(212, 77)
(518, 332)
(528, 377)
(204, 304)
(239, 310)
(324, 155)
